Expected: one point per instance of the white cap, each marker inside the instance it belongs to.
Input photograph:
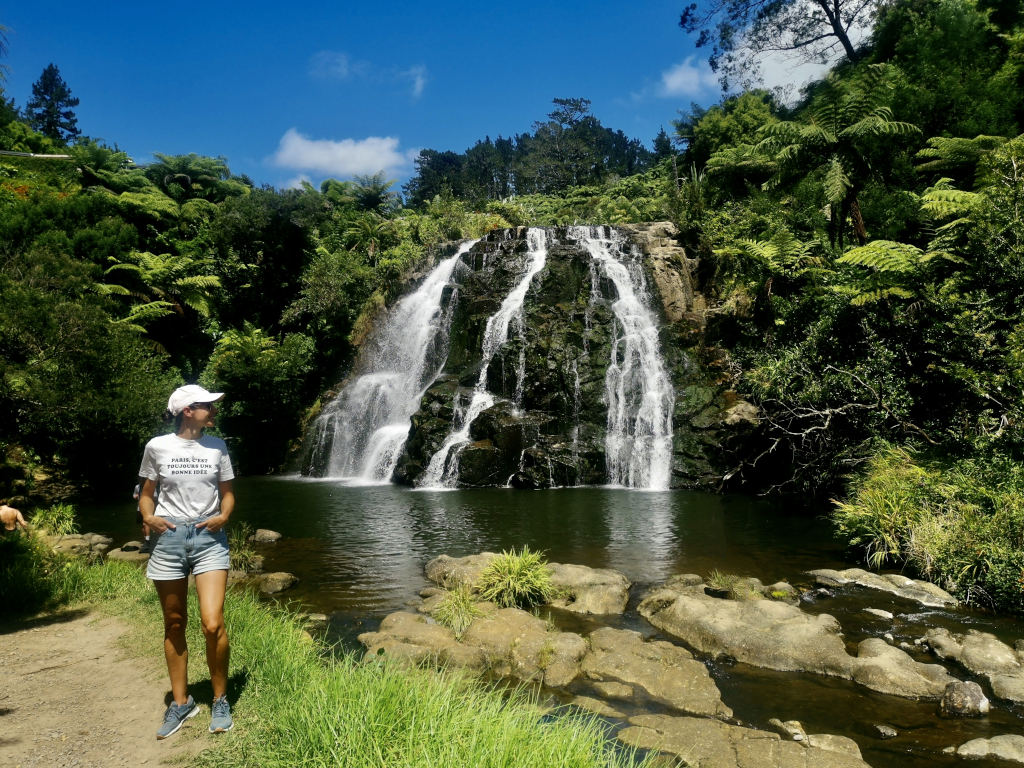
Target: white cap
(190, 393)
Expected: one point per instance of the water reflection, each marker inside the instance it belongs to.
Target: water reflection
(361, 549)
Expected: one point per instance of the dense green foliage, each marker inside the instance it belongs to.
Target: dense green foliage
(569, 149)
(960, 524)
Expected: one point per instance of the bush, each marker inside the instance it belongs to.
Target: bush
(520, 580)
(58, 520)
(457, 610)
(243, 556)
(960, 524)
(34, 577)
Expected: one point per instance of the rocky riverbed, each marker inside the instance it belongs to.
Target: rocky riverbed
(651, 659)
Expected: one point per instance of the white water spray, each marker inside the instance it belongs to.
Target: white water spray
(366, 426)
(442, 471)
(638, 390)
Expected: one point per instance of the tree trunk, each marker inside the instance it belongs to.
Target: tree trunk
(858, 221)
(835, 17)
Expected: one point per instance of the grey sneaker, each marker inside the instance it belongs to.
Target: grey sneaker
(175, 716)
(221, 720)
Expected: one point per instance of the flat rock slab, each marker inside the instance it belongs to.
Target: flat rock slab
(413, 638)
(777, 635)
(453, 572)
(984, 655)
(922, 592)
(658, 670)
(706, 743)
(507, 642)
(520, 645)
(1009, 748)
(128, 557)
(590, 590)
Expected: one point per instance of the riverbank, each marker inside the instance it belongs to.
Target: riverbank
(294, 702)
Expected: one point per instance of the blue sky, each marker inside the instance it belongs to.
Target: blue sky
(334, 89)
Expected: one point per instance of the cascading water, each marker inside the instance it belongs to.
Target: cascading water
(442, 471)
(638, 390)
(361, 434)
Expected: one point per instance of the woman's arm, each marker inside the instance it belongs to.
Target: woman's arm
(147, 508)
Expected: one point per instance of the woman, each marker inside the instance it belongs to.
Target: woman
(196, 499)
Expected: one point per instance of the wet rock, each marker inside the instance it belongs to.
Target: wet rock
(710, 743)
(589, 590)
(885, 731)
(792, 730)
(520, 645)
(922, 592)
(886, 669)
(1009, 748)
(879, 613)
(597, 706)
(131, 546)
(659, 670)
(451, 572)
(278, 581)
(782, 590)
(776, 635)
(265, 536)
(963, 699)
(984, 655)
(128, 557)
(413, 638)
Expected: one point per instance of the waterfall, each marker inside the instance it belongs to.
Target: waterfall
(638, 390)
(442, 471)
(366, 426)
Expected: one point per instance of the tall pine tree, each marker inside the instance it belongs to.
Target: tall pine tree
(51, 108)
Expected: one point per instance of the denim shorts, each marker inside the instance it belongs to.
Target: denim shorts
(187, 549)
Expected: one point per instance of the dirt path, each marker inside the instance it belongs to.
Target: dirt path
(72, 697)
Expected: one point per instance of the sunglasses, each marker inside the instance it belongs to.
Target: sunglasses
(207, 406)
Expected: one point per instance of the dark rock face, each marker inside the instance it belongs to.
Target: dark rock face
(548, 424)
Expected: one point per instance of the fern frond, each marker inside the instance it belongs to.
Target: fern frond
(837, 183)
(883, 256)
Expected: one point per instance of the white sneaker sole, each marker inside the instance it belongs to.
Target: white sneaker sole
(193, 713)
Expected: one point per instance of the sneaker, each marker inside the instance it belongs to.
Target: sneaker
(175, 716)
(221, 720)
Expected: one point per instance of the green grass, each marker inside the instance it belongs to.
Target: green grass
(456, 610)
(517, 579)
(296, 703)
(243, 555)
(959, 524)
(58, 519)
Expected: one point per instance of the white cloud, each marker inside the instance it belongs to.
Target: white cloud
(688, 78)
(296, 181)
(333, 65)
(345, 157)
(338, 65)
(418, 76)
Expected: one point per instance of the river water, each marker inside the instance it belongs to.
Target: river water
(359, 552)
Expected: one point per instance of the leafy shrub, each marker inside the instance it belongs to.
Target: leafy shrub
(34, 577)
(520, 580)
(961, 525)
(457, 610)
(243, 556)
(58, 520)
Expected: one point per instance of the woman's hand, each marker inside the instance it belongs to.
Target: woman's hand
(158, 524)
(214, 523)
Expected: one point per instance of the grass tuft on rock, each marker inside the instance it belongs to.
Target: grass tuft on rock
(457, 609)
(517, 580)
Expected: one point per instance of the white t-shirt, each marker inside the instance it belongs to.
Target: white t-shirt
(188, 473)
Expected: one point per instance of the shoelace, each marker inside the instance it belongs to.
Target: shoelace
(220, 707)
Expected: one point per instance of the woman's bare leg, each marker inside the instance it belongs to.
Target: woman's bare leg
(174, 602)
(210, 588)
